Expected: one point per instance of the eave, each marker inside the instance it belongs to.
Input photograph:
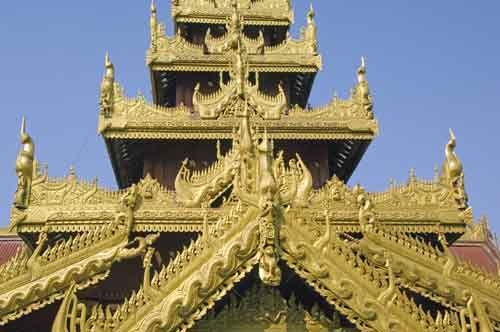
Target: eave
(269, 63)
(87, 207)
(278, 13)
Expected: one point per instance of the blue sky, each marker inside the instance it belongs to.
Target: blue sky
(432, 65)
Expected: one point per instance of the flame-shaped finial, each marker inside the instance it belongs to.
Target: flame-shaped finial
(153, 7)
(110, 68)
(24, 167)
(23, 125)
(452, 168)
(311, 12)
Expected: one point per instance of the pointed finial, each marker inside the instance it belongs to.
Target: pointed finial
(362, 71)
(452, 136)
(413, 177)
(311, 12)
(23, 125)
(153, 6)
(452, 167)
(436, 173)
(107, 61)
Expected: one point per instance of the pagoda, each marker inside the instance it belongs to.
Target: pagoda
(233, 211)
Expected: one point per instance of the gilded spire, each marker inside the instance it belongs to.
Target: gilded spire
(107, 87)
(362, 91)
(452, 172)
(110, 68)
(362, 71)
(452, 168)
(310, 32)
(311, 13)
(24, 168)
(153, 21)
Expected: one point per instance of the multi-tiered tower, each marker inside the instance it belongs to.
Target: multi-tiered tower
(192, 75)
(233, 211)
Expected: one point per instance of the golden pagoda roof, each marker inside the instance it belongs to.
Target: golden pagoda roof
(135, 118)
(31, 280)
(68, 204)
(266, 12)
(177, 54)
(184, 291)
(272, 214)
(213, 115)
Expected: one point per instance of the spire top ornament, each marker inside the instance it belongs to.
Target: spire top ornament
(452, 167)
(311, 14)
(107, 86)
(24, 168)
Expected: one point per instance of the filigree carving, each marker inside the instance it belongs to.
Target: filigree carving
(264, 308)
(193, 188)
(86, 257)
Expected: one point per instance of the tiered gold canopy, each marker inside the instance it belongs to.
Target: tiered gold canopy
(253, 239)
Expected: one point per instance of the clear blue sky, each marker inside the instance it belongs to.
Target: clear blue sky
(431, 65)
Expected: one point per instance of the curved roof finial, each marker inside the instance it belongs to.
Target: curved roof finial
(311, 12)
(110, 69)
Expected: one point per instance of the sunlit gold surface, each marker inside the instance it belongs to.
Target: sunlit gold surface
(365, 254)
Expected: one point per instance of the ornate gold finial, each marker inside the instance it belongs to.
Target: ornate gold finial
(311, 31)
(153, 21)
(362, 92)
(24, 168)
(362, 71)
(412, 177)
(107, 87)
(452, 167)
(452, 172)
(311, 13)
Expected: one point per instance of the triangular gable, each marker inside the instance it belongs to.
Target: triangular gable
(261, 308)
(184, 290)
(31, 281)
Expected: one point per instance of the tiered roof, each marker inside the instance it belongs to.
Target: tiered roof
(212, 117)
(260, 12)
(369, 259)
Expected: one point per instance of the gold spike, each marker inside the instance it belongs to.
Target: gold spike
(23, 126)
(311, 12)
